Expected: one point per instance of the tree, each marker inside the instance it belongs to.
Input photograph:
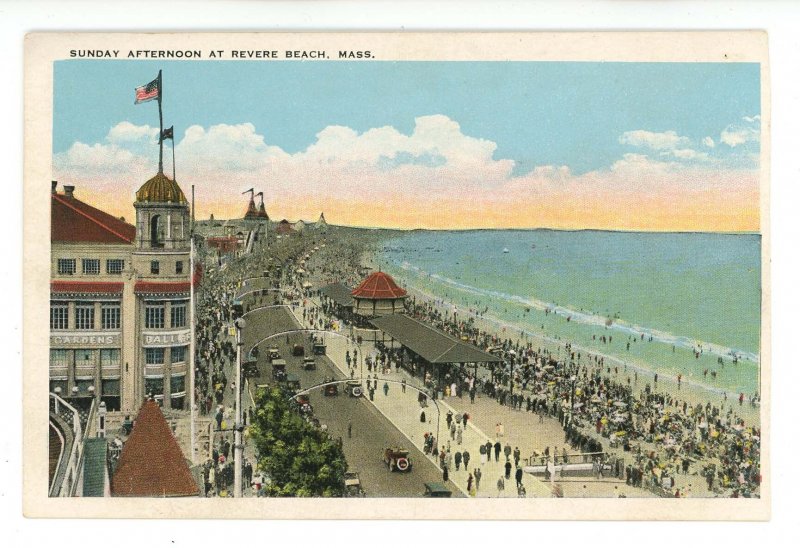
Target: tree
(300, 459)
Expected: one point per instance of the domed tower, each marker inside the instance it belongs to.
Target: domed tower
(162, 290)
(162, 215)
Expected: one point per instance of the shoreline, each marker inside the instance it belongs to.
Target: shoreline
(691, 392)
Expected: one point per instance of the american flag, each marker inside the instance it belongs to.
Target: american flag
(148, 92)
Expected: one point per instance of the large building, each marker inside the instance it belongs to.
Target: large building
(119, 310)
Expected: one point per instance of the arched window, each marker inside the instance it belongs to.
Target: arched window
(156, 231)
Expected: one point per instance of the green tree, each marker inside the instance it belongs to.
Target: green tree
(300, 460)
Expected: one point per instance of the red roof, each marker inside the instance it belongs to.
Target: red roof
(72, 220)
(151, 463)
(161, 287)
(85, 287)
(379, 285)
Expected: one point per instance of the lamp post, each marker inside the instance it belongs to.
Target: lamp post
(237, 436)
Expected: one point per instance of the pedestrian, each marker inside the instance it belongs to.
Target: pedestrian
(422, 416)
(507, 451)
(452, 430)
(502, 430)
(517, 456)
(465, 418)
(466, 457)
(349, 429)
(518, 476)
(469, 486)
(458, 460)
(497, 449)
(478, 475)
(449, 418)
(501, 486)
(482, 451)
(508, 469)
(385, 389)
(445, 475)
(403, 386)
(459, 434)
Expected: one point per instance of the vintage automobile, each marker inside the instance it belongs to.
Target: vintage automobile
(354, 389)
(309, 364)
(331, 389)
(397, 459)
(352, 485)
(319, 349)
(298, 350)
(437, 490)
(292, 382)
(250, 369)
(304, 404)
(273, 354)
(279, 370)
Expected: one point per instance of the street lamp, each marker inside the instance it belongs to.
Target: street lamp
(240, 324)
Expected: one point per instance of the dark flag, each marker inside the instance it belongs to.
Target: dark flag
(148, 92)
(167, 134)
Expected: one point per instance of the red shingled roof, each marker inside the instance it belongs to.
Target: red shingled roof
(379, 285)
(72, 220)
(85, 287)
(161, 287)
(151, 463)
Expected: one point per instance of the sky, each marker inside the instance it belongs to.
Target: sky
(621, 146)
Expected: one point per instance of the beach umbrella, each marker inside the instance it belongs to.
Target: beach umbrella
(620, 404)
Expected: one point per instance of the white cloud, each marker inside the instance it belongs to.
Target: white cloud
(666, 140)
(126, 132)
(739, 134)
(689, 154)
(709, 142)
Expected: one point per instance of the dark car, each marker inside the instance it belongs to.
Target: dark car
(397, 459)
(354, 388)
(298, 350)
(437, 490)
(309, 364)
(279, 370)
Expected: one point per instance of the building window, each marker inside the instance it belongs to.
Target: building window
(59, 316)
(114, 266)
(91, 266)
(84, 357)
(179, 267)
(154, 316)
(153, 267)
(110, 316)
(58, 357)
(177, 385)
(154, 387)
(154, 356)
(109, 356)
(178, 354)
(58, 387)
(66, 267)
(84, 316)
(178, 314)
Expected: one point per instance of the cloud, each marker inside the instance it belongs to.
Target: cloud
(655, 141)
(739, 134)
(435, 176)
(709, 142)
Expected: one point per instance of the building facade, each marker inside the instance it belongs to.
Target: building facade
(119, 309)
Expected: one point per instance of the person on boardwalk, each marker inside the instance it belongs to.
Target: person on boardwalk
(469, 486)
(518, 476)
(465, 456)
(458, 460)
(501, 486)
(517, 456)
(349, 429)
(459, 435)
(445, 475)
(449, 418)
(497, 449)
(507, 451)
(482, 452)
(403, 386)
(478, 475)
(508, 469)
(385, 389)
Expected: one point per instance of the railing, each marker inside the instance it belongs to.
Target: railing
(68, 472)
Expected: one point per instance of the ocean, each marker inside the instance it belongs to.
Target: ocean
(666, 303)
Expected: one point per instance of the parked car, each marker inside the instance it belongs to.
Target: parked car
(354, 389)
(352, 485)
(309, 364)
(279, 370)
(273, 354)
(298, 350)
(436, 490)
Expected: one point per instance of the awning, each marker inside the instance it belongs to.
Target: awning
(432, 345)
(338, 293)
(86, 288)
(161, 288)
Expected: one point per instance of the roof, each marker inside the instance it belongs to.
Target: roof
(161, 189)
(432, 345)
(94, 467)
(378, 285)
(95, 288)
(252, 212)
(338, 293)
(151, 463)
(72, 220)
(161, 288)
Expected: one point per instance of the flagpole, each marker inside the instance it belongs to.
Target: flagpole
(192, 350)
(173, 158)
(160, 127)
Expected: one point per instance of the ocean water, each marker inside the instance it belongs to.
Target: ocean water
(688, 294)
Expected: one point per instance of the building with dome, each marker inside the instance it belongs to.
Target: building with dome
(119, 309)
(378, 295)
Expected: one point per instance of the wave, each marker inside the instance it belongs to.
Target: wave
(585, 318)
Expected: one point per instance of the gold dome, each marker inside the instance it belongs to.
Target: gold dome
(161, 189)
